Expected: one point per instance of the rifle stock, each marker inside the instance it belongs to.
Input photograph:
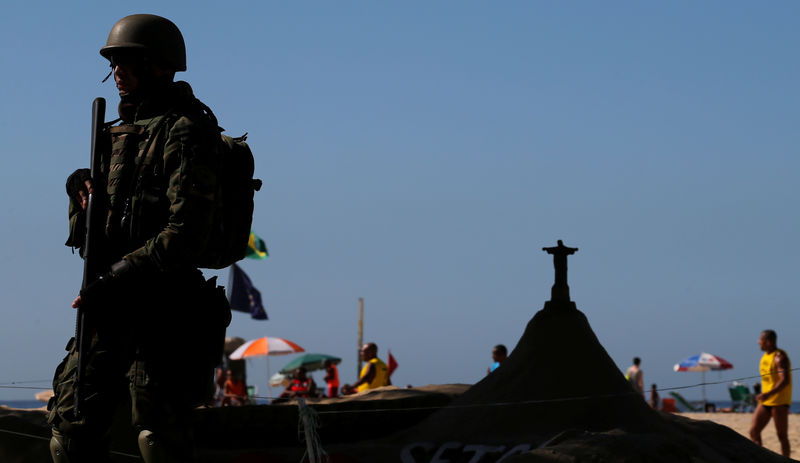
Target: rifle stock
(90, 262)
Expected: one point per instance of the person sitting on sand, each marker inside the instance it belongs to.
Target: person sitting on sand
(301, 385)
(374, 374)
(235, 391)
(776, 396)
(499, 354)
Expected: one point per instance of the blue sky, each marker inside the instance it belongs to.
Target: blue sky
(420, 155)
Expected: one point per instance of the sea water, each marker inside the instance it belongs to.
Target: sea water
(23, 403)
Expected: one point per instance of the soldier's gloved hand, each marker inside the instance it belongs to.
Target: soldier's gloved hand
(79, 185)
(100, 289)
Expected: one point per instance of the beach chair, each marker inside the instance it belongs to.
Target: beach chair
(689, 406)
(741, 397)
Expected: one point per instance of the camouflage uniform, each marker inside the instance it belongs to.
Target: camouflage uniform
(161, 180)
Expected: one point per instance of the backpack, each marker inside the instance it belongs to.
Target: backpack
(233, 204)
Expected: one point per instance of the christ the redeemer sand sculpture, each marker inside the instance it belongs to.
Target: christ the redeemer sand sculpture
(560, 290)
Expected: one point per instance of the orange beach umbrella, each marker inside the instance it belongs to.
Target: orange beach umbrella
(266, 347)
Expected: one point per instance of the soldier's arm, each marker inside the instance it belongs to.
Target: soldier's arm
(189, 156)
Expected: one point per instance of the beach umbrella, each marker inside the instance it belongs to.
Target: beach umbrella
(310, 361)
(703, 362)
(266, 347)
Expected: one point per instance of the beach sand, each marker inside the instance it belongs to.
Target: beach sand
(740, 422)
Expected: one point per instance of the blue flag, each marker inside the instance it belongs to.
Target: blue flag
(243, 296)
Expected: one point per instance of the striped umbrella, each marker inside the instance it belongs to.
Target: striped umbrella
(703, 362)
(266, 347)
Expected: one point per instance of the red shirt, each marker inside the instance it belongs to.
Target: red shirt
(301, 388)
(236, 388)
(333, 376)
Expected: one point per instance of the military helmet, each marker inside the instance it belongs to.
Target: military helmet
(157, 37)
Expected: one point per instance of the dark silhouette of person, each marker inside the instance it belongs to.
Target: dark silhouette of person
(654, 397)
(499, 354)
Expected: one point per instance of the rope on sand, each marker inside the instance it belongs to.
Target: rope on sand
(307, 427)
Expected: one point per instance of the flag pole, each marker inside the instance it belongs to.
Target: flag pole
(360, 334)
(704, 389)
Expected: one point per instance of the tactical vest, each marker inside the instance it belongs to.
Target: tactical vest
(136, 184)
(152, 163)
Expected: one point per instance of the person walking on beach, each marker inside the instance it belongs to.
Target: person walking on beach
(635, 376)
(374, 374)
(776, 391)
(157, 190)
(499, 354)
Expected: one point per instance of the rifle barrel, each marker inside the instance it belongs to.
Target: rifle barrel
(89, 264)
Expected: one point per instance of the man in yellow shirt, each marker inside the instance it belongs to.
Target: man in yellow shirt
(776, 391)
(374, 374)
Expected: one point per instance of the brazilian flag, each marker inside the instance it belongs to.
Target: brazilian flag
(256, 249)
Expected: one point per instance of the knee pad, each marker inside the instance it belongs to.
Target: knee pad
(58, 448)
(151, 448)
(170, 446)
(66, 450)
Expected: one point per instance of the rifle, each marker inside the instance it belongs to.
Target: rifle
(91, 270)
